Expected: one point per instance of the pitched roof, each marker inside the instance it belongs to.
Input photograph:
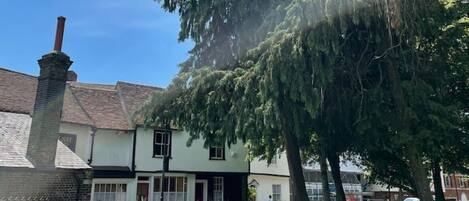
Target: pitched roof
(103, 106)
(133, 97)
(100, 105)
(17, 91)
(14, 135)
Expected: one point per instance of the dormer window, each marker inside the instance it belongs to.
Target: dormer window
(217, 153)
(161, 143)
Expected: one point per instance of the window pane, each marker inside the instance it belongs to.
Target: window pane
(158, 150)
(172, 184)
(180, 184)
(158, 138)
(157, 184)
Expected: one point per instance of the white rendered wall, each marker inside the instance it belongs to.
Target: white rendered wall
(280, 168)
(83, 144)
(112, 148)
(183, 158)
(264, 189)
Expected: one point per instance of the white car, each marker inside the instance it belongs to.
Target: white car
(411, 199)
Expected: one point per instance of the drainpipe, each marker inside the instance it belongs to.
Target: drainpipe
(93, 134)
(133, 150)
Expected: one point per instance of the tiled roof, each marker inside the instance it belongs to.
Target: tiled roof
(100, 105)
(17, 91)
(103, 106)
(14, 134)
(133, 97)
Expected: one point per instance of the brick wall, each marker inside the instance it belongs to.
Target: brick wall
(31, 184)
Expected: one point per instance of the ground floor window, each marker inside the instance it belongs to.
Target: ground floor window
(110, 192)
(276, 192)
(174, 188)
(315, 192)
(218, 189)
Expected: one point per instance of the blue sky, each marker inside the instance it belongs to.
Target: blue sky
(108, 40)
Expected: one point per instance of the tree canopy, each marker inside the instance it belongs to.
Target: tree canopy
(376, 72)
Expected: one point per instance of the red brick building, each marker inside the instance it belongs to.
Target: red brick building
(456, 187)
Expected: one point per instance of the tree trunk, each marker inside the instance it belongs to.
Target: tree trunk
(436, 173)
(419, 174)
(324, 178)
(334, 162)
(295, 167)
(417, 168)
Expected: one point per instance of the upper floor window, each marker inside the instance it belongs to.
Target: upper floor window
(462, 183)
(447, 181)
(68, 140)
(217, 153)
(161, 143)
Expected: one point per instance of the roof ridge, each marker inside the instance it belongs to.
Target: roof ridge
(135, 84)
(94, 88)
(12, 71)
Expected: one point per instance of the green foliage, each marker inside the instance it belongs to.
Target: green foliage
(322, 64)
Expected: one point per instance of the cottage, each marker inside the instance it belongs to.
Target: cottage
(98, 127)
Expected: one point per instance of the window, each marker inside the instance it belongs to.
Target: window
(109, 192)
(68, 140)
(218, 189)
(217, 153)
(447, 181)
(174, 188)
(276, 192)
(462, 182)
(161, 141)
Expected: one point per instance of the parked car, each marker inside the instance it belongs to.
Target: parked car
(411, 199)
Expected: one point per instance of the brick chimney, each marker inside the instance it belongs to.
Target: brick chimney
(72, 76)
(45, 123)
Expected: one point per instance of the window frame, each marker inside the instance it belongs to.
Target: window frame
(161, 144)
(221, 187)
(118, 185)
(169, 183)
(216, 157)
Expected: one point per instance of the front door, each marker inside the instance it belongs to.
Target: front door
(142, 191)
(201, 190)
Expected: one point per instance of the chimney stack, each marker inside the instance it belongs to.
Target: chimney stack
(42, 143)
(59, 34)
(72, 76)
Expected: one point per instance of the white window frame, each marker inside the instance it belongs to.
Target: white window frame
(116, 183)
(167, 191)
(162, 144)
(218, 187)
(219, 153)
(274, 193)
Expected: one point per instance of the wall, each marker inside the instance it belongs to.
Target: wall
(83, 144)
(281, 168)
(194, 158)
(112, 148)
(264, 189)
(20, 184)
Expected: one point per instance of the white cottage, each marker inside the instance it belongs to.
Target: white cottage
(98, 124)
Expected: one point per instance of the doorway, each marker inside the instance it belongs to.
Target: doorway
(201, 190)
